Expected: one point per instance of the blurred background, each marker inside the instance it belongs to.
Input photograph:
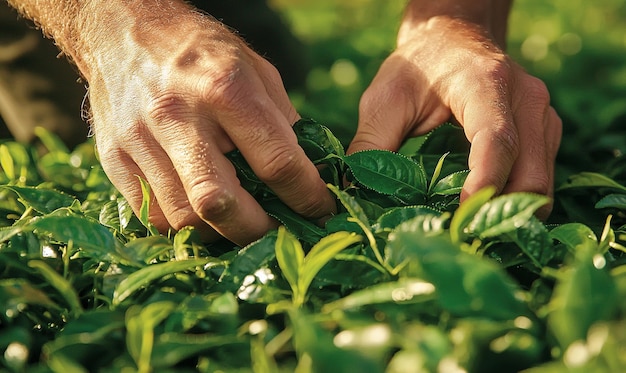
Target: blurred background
(578, 48)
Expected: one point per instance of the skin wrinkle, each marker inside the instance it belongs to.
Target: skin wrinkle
(449, 46)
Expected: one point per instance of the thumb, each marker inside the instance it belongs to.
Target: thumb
(382, 122)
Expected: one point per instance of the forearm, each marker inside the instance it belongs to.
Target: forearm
(492, 15)
(89, 30)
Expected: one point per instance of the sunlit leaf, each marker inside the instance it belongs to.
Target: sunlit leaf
(83, 232)
(388, 173)
(322, 253)
(146, 275)
(466, 212)
(504, 214)
(65, 289)
(290, 256)
(591, 180)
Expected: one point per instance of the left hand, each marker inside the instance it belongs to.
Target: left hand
(450, 67)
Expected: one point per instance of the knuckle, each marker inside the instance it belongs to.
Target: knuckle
(498, 66)
(311, 208)
(536, 90)
(213, 204)
(280, 164)
(225, 88)
(167, 107)
(184, 217)
(538, 183)
(506, 137)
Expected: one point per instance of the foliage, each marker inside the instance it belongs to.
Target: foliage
(401, 279)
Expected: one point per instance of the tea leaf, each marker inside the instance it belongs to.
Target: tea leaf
(465, 285)
(577, 237)
(322, 253)
(290, 256)
(590, 180)
(505, 213)
(146, 275)
(616, 201)
(466, 211)
(317, 140)
(388, 173)
(398, 215)
(65, 289)
(144, 211)
(42, 200)
(140, 324)
(583, 297)
(83, 232)
(302, 228)
(406, 289)
(451, 184)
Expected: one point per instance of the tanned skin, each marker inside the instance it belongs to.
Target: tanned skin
(172, 90)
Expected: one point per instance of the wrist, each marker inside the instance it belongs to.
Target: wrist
(488, 17)
(113, 32)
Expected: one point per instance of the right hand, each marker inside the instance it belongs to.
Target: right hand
(169, 99)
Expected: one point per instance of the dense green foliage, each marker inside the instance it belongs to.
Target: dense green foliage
(401, 279)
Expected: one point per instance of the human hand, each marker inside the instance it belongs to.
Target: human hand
(169, 99)
(450, 67)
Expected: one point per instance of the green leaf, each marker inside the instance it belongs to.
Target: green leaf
(147, 249)
(322, 253)
(302, 228)
(42, 200)
(351, 204)
(15, 293)
(389, 173)
(437, 172)
(65, 289)
(91, 339)
(317, 140)
(8, 232)
(398, 215)
(505, 213)
(466, 211)
(83, 232)
(290, 256)
(146, 275)
(616, 201)
(406, 289)
(590, 180)
(317, 351)
(451, 184)
(51, 141)
(140, 324)
(6, 162)
(171, 348)
(535, 241)
(144, 210)
(248, 260)
(577, 237)
(248, 179)
(466, 285)
(183, 242)
(583, 296)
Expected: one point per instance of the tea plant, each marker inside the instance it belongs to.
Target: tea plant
(401, 279)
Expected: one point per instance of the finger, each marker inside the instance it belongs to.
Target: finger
(124, 173)
(208, 179)
(168, 207)
(275, 89)
(494, 144)
(265, 138)
(393, 107)
(539, 130)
